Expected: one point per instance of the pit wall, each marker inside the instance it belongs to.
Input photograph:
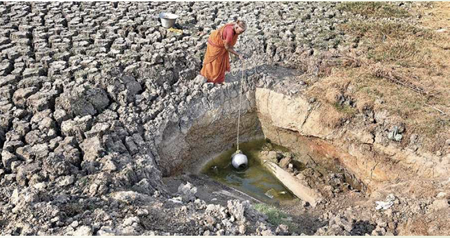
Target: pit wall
(304, 128)
(208, 128)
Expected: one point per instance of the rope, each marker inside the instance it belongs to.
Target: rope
(239, 112)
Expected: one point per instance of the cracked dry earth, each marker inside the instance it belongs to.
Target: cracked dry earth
(98, 107)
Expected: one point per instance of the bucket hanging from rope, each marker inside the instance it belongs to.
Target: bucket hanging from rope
(238, 159)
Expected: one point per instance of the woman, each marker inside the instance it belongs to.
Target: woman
(220, 42)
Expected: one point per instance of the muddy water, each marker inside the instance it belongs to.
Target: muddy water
(255, 181)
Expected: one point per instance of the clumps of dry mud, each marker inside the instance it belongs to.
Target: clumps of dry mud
(90, 91)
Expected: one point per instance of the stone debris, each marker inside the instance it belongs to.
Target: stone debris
(83, 231)
(237, 209)
(396, 133)
(282, 230)
(187, 192)
(389, 202)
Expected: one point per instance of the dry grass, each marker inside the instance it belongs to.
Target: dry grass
(275, 216)
(382, 31)
(373, 9)
(400, 68)
(417, 226)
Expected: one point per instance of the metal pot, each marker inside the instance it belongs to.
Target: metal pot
(168, 19)
(239, 161)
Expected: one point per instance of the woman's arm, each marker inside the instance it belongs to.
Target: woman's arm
(231, 49)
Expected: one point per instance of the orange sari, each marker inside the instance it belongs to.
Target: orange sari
(217, 58)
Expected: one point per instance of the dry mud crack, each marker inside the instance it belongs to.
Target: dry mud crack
(103, 117)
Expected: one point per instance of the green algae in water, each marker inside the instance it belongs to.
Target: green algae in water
(255, 181)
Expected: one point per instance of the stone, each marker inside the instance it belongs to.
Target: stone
(142, 212)
(129, 230)
(106, 231)
(41, 100)
(82, 101)
(200, 79)
(282, 230)
(76, 127)
(8, 158)
(108, 164)
(284, 163)
(272, 156)
(396, 133)
(40, 186)
(92, 148)
(441, 195)
(74, 224)
(145, 186)
(26, 171)
(267, 233)
(210, 220)
(8, 80)
(220, 232)
(439, 204)
(131, 146)
(130, 220)
(67, 180)
(83, 231)
(98, 98)
(388, 213)
(21, 94)
(60, 115)
(187, 192)
(15, 198)
(237, 209)
(242, 229)
(56, 165)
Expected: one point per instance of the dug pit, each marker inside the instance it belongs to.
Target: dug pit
(204, 142)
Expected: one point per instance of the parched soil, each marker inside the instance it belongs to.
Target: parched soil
(101, 109)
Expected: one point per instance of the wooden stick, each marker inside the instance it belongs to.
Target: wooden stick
(293, 184)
